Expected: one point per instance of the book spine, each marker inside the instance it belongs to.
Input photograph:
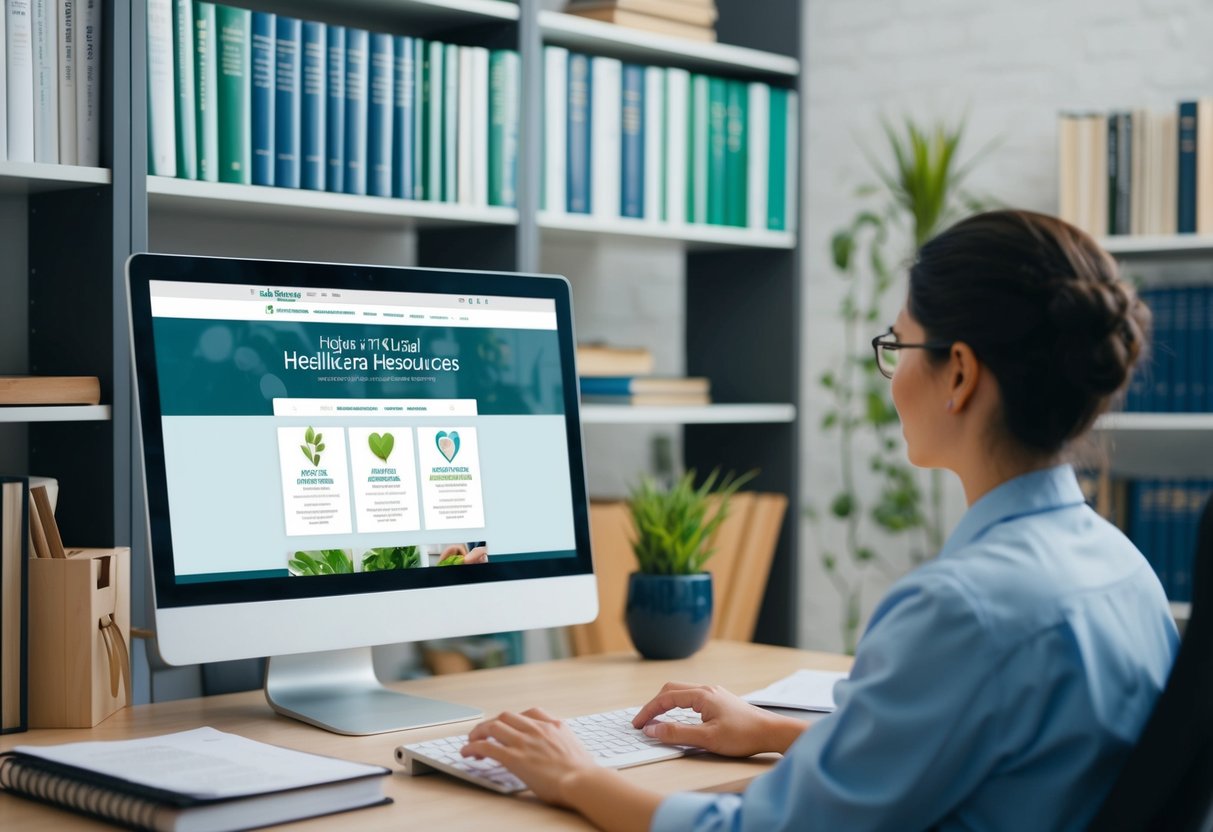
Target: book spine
(480, 125)
(420, 122)
(334, 124)
(206, 81)
(1207, 348)
(1186, 205)
(1110, 166)
(1179, 351)
(312, 95)
(262, 100)
(757, 154)
(1204, 166)
(579, 136)
(357, 44)
(46, 80)
(718, 110)
(1164, 315)
(186, 90)
(606, 100)
(161, 149)
(736, 195)
(777, 171)
(1124, 173)
(677, 88)
(555, 128)
(287, 69)
(1198, 366)
(19, 64)
(234, 56)
(25, 777)
(606, 385)
(434, 88)
(463, 128)
(403, 98)
(632, 126)
(697, 151)
(450, 122)
(379, 115)
(67, 81)
(14, 598)
(654, 140)
(503, 127)
(88, 83)
(3, 87)
(791, 191)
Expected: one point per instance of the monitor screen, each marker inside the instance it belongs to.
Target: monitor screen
(356, 455)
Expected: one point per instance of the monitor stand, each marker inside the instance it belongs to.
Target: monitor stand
(338, 691)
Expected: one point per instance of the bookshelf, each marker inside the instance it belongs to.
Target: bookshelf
(57, 413)
(712, 414)
(1157, 445)
(35, 178)
(695, 237)
(1155, 246)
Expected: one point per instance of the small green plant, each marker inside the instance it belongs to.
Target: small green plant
(451, 560)
(322, 562)
(314, 445)
(381, 446)
(673, 528)
(391, 557)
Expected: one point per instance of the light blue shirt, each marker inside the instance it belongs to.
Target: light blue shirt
(998, 687)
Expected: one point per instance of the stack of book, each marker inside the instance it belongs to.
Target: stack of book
(1175, 378)
(665, 146)
(264, 99)
(50, 81)
(692, 19)
(623, 376)
(1164, 516)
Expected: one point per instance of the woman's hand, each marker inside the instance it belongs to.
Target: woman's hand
(731, 726)
(538, 748)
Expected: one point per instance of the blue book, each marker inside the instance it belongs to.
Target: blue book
(334, 116)
(1198, 360)
(641, 385)
(1179, 351)
(357, 44)
(1159, 397)
(1207, 345)
(631, 167)
(1187, 167)
(1158, 516)
(450, 123)
(262, 104)
(577, 139)
(402, 119)
(288, 34)
(312, 106)
(379, 116)
(420, 50)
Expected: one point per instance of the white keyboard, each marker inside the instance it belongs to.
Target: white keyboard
(610, 738)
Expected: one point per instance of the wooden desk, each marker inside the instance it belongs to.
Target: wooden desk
(588, 684)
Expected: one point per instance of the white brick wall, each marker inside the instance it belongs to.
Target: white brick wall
(1011, 67)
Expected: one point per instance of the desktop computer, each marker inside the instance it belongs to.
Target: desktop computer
(339, 456)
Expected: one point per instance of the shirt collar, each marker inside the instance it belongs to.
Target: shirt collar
(1031, 493)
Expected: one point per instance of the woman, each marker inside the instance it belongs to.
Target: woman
(1000, 685)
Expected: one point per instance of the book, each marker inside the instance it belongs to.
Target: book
(718, 110)
(677, 88)
(555, 129)
(3, 90)
(404, 99)
(648, 23)
(67, 81)
(632, 128)
(579, 196)
(312, 100)
(777, 165)
(480, 125)
(184, 65)
(433, 86)
(357, 46)
(791, 192)
(199, 780)
(605, 124)
(649, 399)
(420, 117)
(805, 690)
(1187, 167)
(735, 164)
(334, 115)
(380, 94)
(654, 143)
(697, 151)
(503, 127)
(450, 122)
(1204, 165)
(49, 390)
(603, 360)
(88, 83)
(14, 593)
(161, 99)
(261, 101)
(46, 81)
(233, 57)
(288, 57)
(19, 69)
(758, 140)
(463, 127)
(638, 385)
(695, 14)
(206, 83)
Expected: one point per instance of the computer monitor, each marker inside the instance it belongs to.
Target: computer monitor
(339, 456)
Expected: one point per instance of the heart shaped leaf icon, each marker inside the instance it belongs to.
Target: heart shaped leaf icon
(381, 446)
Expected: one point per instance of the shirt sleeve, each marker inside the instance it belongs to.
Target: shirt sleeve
(915, 730)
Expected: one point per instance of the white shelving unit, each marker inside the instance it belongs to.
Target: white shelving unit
(711, 414)
(1158, 245)
(35, 177)
(695, 237)
(1158, 445)
(56, 413)
(424, 13)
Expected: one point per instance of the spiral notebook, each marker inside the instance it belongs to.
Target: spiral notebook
(202, 781)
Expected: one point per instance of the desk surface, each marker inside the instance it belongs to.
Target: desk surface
(588, 684)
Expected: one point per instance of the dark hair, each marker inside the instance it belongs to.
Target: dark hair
(1043, 307)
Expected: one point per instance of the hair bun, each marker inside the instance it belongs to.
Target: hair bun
(1099, 329)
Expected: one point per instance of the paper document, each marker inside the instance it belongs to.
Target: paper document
(806, 690)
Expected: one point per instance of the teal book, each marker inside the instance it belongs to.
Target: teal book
(434, 85)
(450, 123)
(503, 127)
(777, 164)
(357, 93)
(261, 106)
(288, 57)
(381, 66)
(206, 81)
(183, 73)
(718, 108)
(697, 151)
(334, 111)
(735, 156)
(420, 97)
(235, 131)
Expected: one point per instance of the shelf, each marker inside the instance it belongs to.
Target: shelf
(1170, 445)
(56, 413)
(694, 236)
(1159, 245)
(258, 202)
(421, 17)
(593, 36)
(709, 414)
(35, 177)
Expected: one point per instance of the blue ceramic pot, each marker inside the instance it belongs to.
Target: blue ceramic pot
(669, 616)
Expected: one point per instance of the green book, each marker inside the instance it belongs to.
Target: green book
(450, 123)
(503, 127)
(420, 111)
(777, 166)
(434, 84)
(697, 151)
(183, 83)
(736, 158)
(718, 109)
(206, 113)
(234, 65)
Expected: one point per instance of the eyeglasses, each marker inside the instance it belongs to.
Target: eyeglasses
(886, 346)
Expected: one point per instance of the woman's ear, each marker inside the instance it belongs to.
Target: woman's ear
(964, 372)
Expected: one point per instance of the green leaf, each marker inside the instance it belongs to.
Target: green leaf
(842, 246)
(827, 379)
(843, 505)
(863, 554)
(829, 562)
(319, 438)
(307, 452)
(829, 420)
(310, 437)
(320, 447)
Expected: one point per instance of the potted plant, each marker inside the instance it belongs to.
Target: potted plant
(669, 604)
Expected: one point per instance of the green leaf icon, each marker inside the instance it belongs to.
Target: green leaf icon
(310, 437)
(307, 452)
(313, 447)
(381, 446)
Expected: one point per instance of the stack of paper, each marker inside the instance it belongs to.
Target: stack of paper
(806, 690)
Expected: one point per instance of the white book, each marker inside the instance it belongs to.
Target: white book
(463, 129)
(450, 121)
(3, 90)
(88, 82)
(677, 87)
(183, 66)
(758, 155)
(606, 94)
(46, 82)
(67, 81)
(19, 60)
(161, 115)
(792, 191)
(1137, 164)
(555, 129)
(698, 165)
(480, 126)
(1168, 131)
(654, 140)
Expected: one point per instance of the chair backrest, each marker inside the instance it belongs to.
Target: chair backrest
(1167, 780)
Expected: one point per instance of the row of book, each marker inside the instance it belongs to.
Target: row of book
(1175, 378)
(665, 145)
(264, 99)
(617, 375)
(1138, 172)
(1163, 519)
(50, 81)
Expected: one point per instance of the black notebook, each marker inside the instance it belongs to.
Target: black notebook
(195, 781)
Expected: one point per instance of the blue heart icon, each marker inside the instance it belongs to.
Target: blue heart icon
(448, 444)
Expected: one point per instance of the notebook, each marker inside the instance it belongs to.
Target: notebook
(805, 690)
(194, 781)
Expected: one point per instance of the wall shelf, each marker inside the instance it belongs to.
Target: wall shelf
(710, 414)
(56, 413)
(584, 35)
(1157, 445)
(423, 17)
(694, 237)
(1159, 245)
(36, 177)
